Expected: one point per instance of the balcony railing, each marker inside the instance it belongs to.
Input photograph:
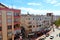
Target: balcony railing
(17, 15)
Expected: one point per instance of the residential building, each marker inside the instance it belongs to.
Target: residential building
(35, 22)
(56, 17)
(9, 22)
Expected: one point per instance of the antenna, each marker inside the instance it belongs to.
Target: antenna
(12, 4)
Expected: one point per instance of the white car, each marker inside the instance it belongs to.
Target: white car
(51, 37)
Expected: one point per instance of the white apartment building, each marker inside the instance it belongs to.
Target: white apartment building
(35, 22)
(56, 17)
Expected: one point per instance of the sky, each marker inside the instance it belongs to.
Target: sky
(37, 7)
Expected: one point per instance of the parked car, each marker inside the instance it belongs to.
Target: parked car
(51, 37)
(59, 34)
(31, 35)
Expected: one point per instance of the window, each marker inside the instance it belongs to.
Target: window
(36, 25)
(9, 27)
(30, 26)
(33, 26)
(39, 25)
(0, 13)
(9, 20)
(14, 26)
(0, 28)
(9, 13)
(33, 18)
(16, 20)
(28, 18)
(17, 26)
(49, 14)
(46, 18)
(10, 33)
(16, 14)
(40, 18)
(29, 22)
(0, 21)
(37, 18)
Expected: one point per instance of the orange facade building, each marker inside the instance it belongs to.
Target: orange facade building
(9, 22)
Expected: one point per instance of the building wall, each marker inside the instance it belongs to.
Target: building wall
(56, 17)
(2, 7)
(8, 20)
(4, 25)
(35, 21)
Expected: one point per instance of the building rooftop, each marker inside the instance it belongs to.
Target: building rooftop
(3, 5)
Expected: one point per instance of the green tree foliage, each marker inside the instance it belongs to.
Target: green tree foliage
(57, 22)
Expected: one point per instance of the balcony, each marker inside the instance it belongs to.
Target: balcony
(10, 33)
(16, 21)
(9, 27)
(16, 26)
(16, 15)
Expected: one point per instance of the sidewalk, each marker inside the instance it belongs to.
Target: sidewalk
(43, 36)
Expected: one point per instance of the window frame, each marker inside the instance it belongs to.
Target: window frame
(9, 13)
(0, 13)
(16, 14)
(9, 20)
(9, 27)
(0, 28)
(0, 21)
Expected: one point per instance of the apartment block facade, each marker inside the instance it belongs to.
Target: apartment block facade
(36, 22)
(9, 22)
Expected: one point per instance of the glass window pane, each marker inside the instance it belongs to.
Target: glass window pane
(9, 27)
(0, 13)
(9, 13)
(16, 14)
(9, 20)
(10, 33)
(0, 21)
(16, 20)
(0, 28)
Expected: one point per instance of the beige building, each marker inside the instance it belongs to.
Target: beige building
(35, 22)
(9, 22)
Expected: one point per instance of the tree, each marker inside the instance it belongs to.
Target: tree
(57, 22)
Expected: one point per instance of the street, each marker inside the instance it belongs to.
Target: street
(54, 33)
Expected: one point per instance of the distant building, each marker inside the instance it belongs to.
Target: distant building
(56, 17)
(35, 22)
(9, 22)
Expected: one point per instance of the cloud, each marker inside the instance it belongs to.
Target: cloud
(51, 1)
(34, 4)
(58, 4)
(38, 12)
